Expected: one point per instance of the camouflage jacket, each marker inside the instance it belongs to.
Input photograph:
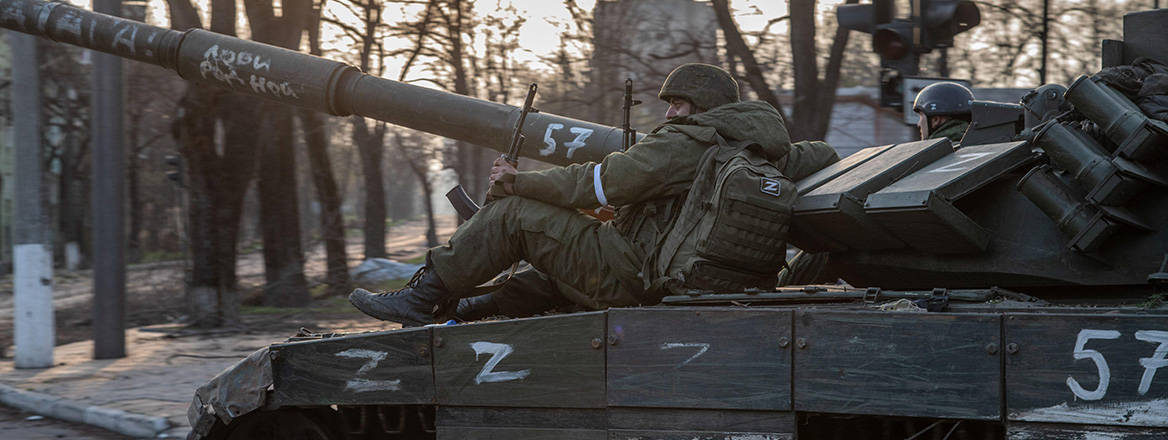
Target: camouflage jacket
(649, 181)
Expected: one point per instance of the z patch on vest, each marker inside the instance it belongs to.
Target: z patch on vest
(770, 186)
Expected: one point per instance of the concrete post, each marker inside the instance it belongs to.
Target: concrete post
(34, 331)
(109, 248)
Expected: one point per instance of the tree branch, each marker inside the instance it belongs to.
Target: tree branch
(736, 46)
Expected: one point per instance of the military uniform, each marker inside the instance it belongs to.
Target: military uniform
(954, 129)
(578, 259)
(596, 264)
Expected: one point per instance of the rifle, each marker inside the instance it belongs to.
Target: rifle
(630, 135)
(629, 138)
(463, 204)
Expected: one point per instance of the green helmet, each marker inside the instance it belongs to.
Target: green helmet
(704, 85)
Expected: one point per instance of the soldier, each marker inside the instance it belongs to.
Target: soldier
(578, 260)
(944, 110)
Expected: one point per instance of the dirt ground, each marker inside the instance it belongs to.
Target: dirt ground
(154, 291)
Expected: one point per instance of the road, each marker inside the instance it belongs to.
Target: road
(154, 293)
(16, 425)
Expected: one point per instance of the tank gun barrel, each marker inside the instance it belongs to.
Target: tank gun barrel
(295, 78)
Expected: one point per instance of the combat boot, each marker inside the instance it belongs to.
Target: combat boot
(476, 308)
(413, 305)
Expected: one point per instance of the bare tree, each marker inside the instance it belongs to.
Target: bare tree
(66, 116)
(814, 96)
(369, 137)
(644, 41)
(331, 222)
(218, 174)
(1004, 50)
(417, 151)
(279, 211)
(147, 114)
(442, 34)
(216, 177)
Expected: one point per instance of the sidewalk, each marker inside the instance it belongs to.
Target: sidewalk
(145, 394)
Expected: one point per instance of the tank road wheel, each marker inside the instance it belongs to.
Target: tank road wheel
(284, 424)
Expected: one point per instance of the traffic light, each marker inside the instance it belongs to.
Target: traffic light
(865, 18)
(175, 173)
(900, 42)
(899, 57)
(892, 39)
(940, 20)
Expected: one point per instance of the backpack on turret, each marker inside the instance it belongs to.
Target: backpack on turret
(731, 232)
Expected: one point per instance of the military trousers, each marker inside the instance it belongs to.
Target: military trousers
(582, 260)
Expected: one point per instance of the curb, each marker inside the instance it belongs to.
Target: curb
(116, 420)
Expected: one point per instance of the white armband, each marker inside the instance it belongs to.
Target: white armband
(596, 186)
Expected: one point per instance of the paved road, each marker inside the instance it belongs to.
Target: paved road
(14, 425)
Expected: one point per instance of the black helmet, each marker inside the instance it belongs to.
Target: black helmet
(943, 99)
(704, 85)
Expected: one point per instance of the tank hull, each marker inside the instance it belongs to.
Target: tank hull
(1002, 370)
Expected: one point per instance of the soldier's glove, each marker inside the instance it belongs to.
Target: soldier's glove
(501, 187)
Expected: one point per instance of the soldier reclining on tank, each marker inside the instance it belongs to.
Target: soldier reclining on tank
(580, 260)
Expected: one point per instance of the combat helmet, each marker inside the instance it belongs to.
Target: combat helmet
(704, 85)
(944, 99)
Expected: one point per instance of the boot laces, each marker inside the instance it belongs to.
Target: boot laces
(412, 283)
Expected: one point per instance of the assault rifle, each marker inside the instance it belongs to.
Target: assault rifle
(463, 204)
(630, 135)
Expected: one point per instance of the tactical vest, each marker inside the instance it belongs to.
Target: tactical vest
(731, 232)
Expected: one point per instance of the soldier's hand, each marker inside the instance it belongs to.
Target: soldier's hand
(502, 182)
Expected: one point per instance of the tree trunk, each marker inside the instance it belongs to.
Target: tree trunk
(280, 212)
(370, 145)
(419, 171)
(133, 189)
(210, 293)
(803, 111)
(737, 48)
(470, 172)
(216, 182)
(811, 113)
(431, 226)
(831, 78)
(402, 192)
(235, 170)
(216, 188)
(332, 228)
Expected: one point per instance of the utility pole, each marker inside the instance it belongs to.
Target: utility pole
(1045, 37)
(33, 264)
(943, 63)
(109, 244)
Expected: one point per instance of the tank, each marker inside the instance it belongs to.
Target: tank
(1010, 285)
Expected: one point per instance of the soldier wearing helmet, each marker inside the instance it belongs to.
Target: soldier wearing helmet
(579, 262)
(944, 110)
